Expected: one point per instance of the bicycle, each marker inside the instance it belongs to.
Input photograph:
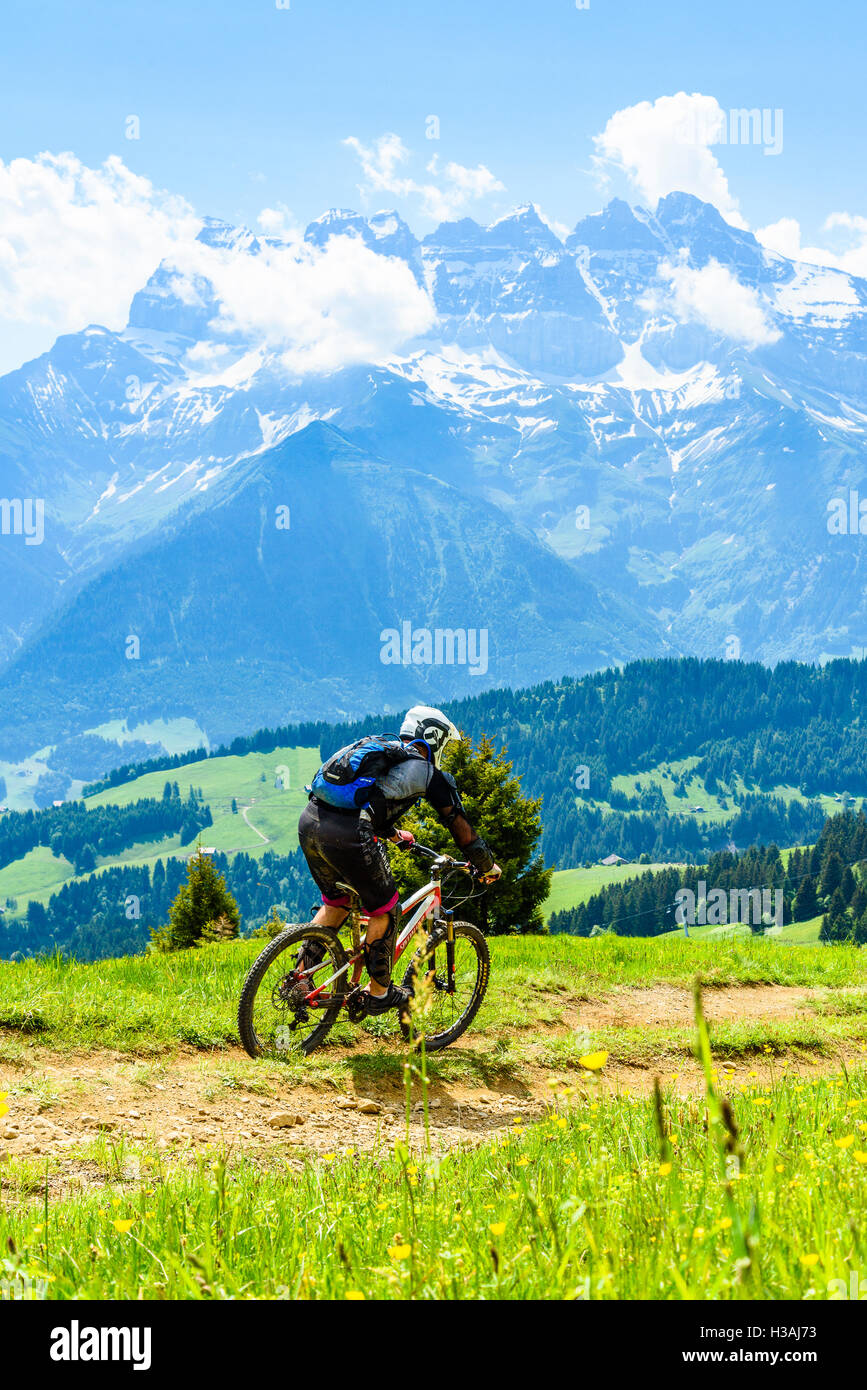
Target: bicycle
(448, 974)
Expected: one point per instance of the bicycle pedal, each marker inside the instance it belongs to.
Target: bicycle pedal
(356, 1005)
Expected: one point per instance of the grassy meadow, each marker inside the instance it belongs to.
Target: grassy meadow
(148, 1005)
(750, 1184)
(592, 1203)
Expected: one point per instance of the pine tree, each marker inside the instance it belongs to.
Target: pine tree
(806, 902)
(204, 909)
(510, 824)
(832, 875)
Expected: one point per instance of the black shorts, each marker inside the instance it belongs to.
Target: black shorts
(341, 848)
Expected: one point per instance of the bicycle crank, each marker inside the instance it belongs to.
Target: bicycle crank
(356, 1005)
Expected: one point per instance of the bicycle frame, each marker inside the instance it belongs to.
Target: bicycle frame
(419, 906)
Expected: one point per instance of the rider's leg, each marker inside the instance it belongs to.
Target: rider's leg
(377, 929)
(329, 916)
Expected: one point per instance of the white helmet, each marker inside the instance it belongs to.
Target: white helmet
(426, 725)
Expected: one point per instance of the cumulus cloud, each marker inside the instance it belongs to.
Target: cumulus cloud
(75, 245)
(713, 296)
(664, 147)
(279, 222)
(456, 187)
(849, 231)
(320, 307)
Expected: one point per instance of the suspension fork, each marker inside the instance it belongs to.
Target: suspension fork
(447, 921)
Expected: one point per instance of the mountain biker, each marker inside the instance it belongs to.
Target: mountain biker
(343, 844)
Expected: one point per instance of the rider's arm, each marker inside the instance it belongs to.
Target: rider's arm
(442, 794)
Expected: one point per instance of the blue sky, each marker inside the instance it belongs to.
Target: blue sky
(244, 105)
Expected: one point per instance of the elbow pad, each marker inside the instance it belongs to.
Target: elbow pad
(479, 855)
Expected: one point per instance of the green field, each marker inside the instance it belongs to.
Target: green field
(597, 1193)
(267, 817)
(174, 735)
(154, 1004)
(570, 887)
(666, 775)
(793, 934)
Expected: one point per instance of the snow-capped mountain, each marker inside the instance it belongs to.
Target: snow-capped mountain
(622, 444)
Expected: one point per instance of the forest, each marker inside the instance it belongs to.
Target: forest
(111, 913)
(826, 879)
(83, 834)
(793, 725)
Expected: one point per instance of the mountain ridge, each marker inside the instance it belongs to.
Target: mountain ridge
(684, 475)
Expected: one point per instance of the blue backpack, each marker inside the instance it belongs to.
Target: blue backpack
(347, 779)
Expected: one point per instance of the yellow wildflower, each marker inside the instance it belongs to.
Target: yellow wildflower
(593, 1061)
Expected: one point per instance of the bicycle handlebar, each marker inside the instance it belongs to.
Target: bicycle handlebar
(429, 853)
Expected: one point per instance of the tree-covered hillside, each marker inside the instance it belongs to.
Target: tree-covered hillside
(81, 833)
(111, 913)
(826, 879)
(749, 730)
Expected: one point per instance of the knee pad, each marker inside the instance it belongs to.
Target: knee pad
(378, 954)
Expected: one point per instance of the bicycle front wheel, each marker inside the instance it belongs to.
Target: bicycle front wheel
(274, 1019)
(443, 1009)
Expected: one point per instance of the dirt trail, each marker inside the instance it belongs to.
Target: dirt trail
(192, 1101)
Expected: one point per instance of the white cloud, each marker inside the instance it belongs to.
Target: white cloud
(457, 184)
(279, 222)
(75, 246)
(321, 308)
(850, 231)
(715, 297)
(664, 147)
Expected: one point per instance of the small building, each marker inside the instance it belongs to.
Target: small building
(612, 860)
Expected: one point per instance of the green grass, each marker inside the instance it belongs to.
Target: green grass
(598, 1201)
(664, 777)
(571, 887)
(175, 735)
(154, 1004)
(608, 1197)
(223, 778)
(273, 812)
(37, 875)
(793, 934)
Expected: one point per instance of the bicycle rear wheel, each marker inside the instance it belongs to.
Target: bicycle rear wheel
(439, 1014)
(273, 1019)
